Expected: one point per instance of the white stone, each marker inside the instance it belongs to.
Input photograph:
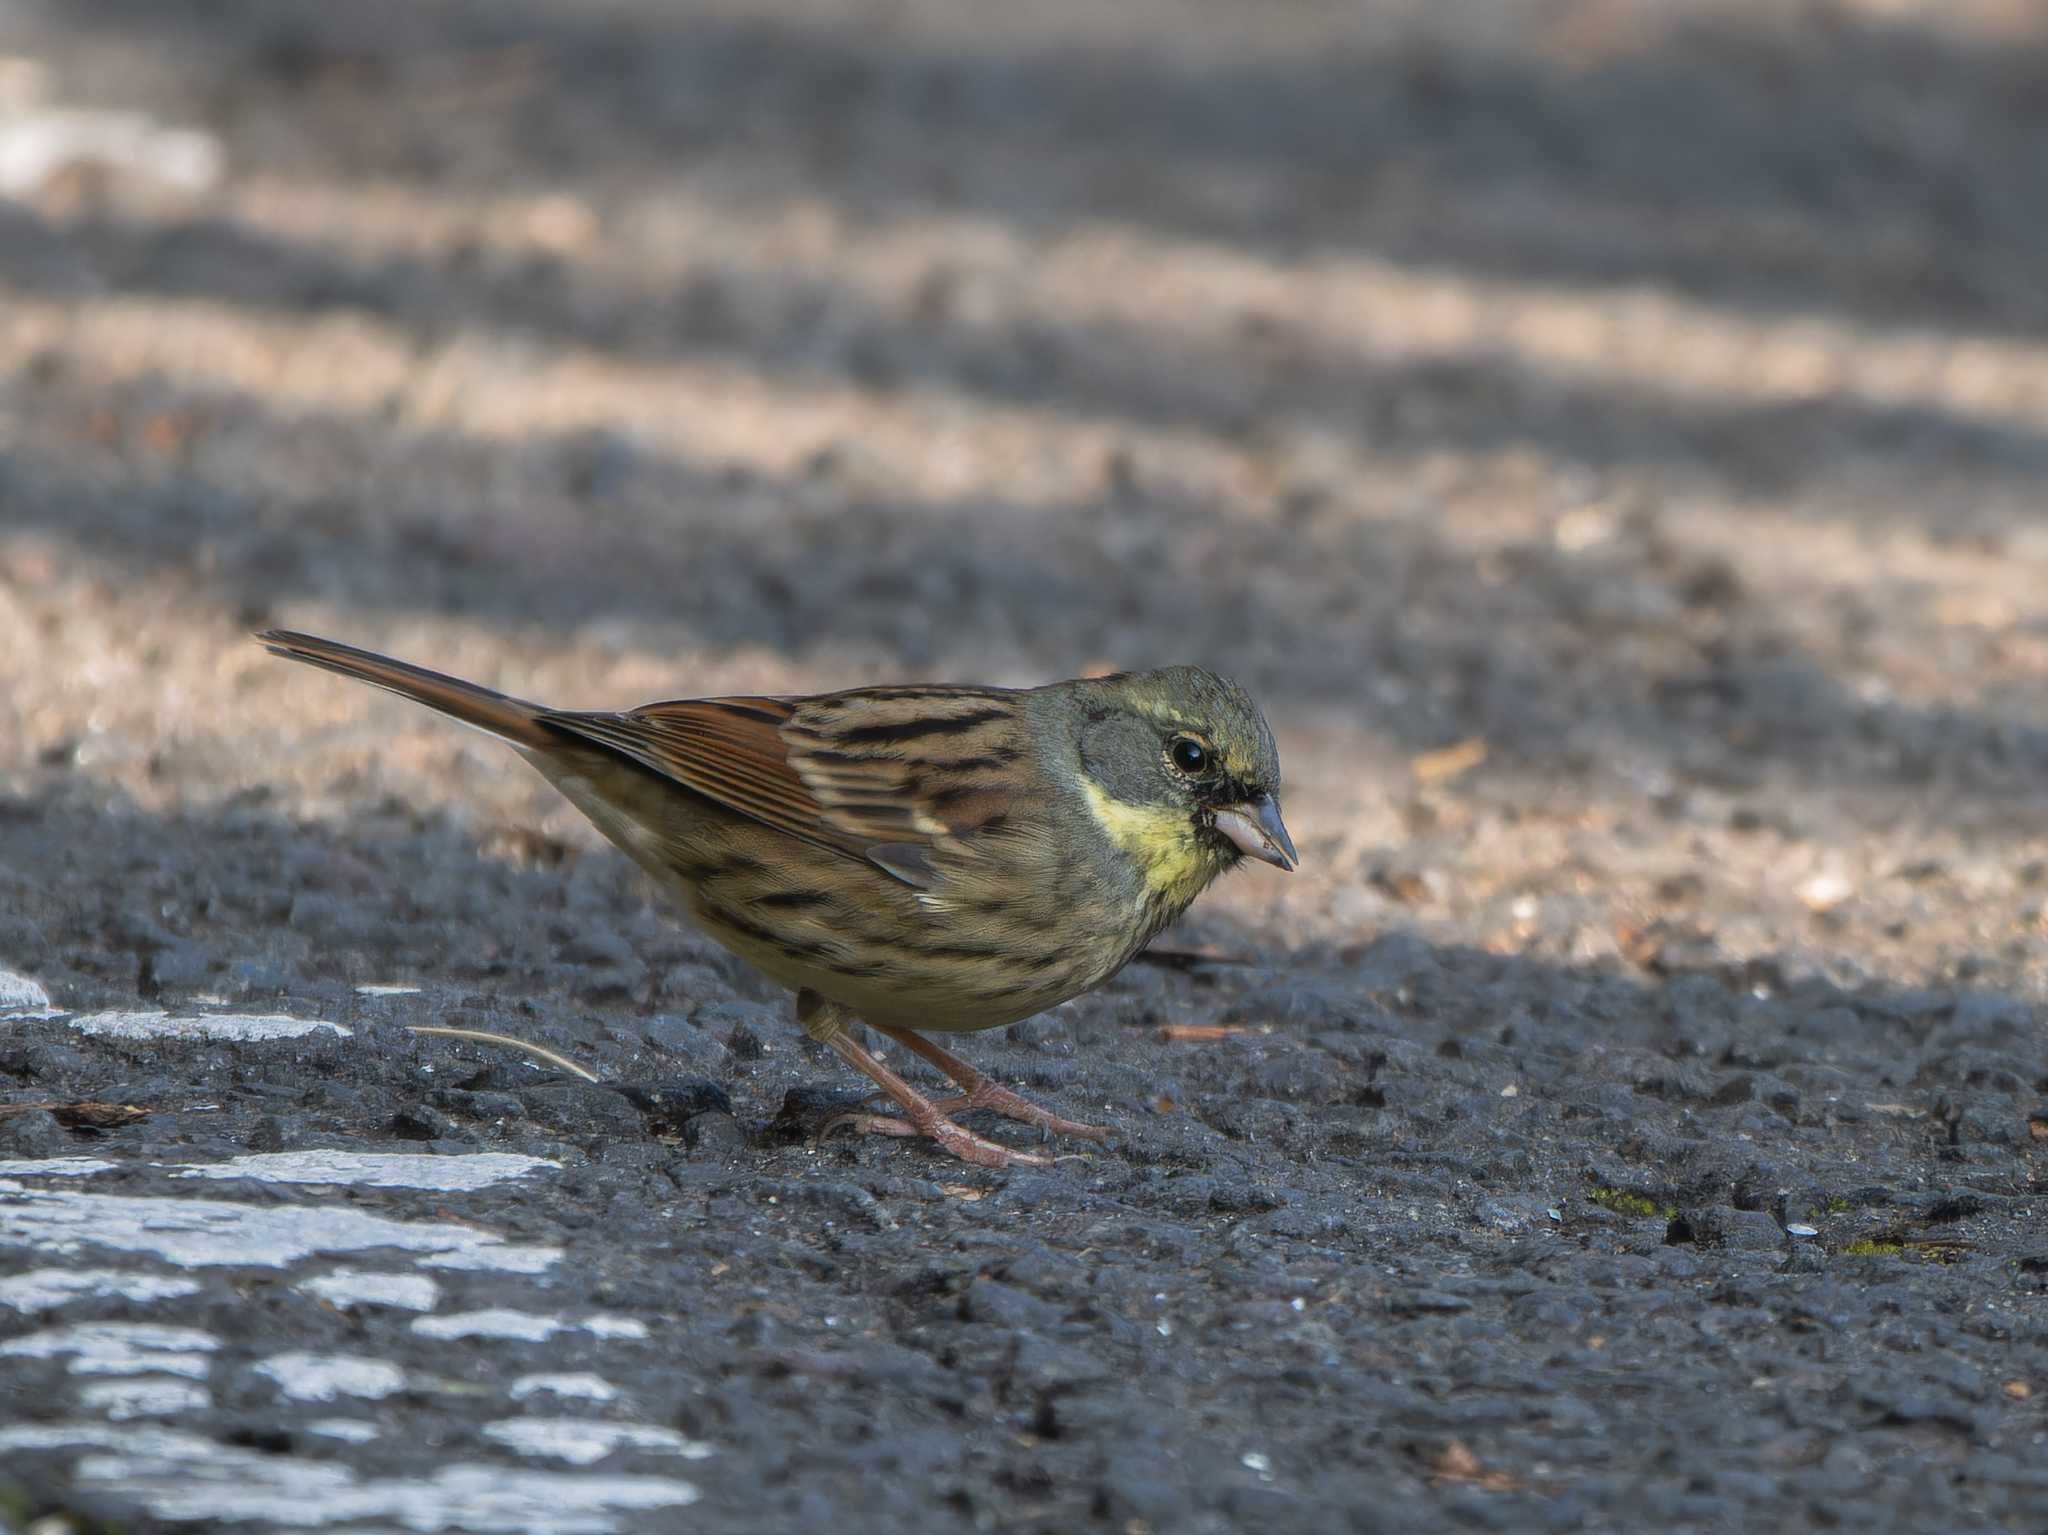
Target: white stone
(119, 1348)
(36, 145)
(235, 1026)
(18, 992)
(348, 1430)
(184, 1478)
(522, 1326)
(498, 1260)
(459, 1174)
(328, 1377)
(584, 1441)
(374, 1169)
(148, 1396)
(56, 1167)
(47, 1289)
(196, 1233)
(350, 1288)
(525, 1326)
(589, 1388)
(600, 1325)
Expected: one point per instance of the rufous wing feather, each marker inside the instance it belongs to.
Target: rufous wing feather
(886, 775)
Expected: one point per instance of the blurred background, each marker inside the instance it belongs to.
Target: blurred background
(1608, 437)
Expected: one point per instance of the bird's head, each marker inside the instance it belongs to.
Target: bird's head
(1180, 769)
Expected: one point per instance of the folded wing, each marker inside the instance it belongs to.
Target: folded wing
(891, 776)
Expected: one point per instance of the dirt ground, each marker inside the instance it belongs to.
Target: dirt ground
(1607, 436)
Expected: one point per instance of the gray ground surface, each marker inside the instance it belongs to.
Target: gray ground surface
(1607, 436)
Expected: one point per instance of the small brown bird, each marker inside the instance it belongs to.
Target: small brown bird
(918, 858)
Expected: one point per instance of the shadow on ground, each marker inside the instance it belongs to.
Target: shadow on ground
(1411, 1198)
(1268, 376)
(1825, 161)
(1559, 660)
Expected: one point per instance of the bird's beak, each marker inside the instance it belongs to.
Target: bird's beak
(1255, 826)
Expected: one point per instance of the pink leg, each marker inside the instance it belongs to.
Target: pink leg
(920, 1115)
(980, 1093)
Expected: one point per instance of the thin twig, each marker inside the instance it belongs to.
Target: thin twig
(1169, 1032)
(538, 1052)
(1188, 959)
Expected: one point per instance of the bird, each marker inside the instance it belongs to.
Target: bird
(922, 858)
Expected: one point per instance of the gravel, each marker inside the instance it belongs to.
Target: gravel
(1606, 437)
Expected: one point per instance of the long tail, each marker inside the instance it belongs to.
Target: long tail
(512, 719)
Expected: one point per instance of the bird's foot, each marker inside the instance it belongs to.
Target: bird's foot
(978, 1092)
(1000, 1100)
(954, 1139)
(920, 1116)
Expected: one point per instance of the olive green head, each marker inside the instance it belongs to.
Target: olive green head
(1180, 769)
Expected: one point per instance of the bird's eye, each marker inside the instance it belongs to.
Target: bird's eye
(1188, 754)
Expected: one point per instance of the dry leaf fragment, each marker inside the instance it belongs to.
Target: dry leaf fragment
(1406, 886)
(1169, 1032)
(1449, 761)
(1457, 1463)
(1457, 1460)
(168, 433)
(90, 1115)
(1187, 959)
(85, 1115)
(1973, 610)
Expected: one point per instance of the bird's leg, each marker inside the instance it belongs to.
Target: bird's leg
(827, 1024)
(922, 1115)
(978, 1092)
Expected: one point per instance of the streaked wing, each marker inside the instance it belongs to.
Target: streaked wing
(888, 775)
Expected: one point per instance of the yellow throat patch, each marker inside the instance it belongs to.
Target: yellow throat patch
(1159, 839)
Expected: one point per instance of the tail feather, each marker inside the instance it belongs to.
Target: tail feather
(511, 719)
